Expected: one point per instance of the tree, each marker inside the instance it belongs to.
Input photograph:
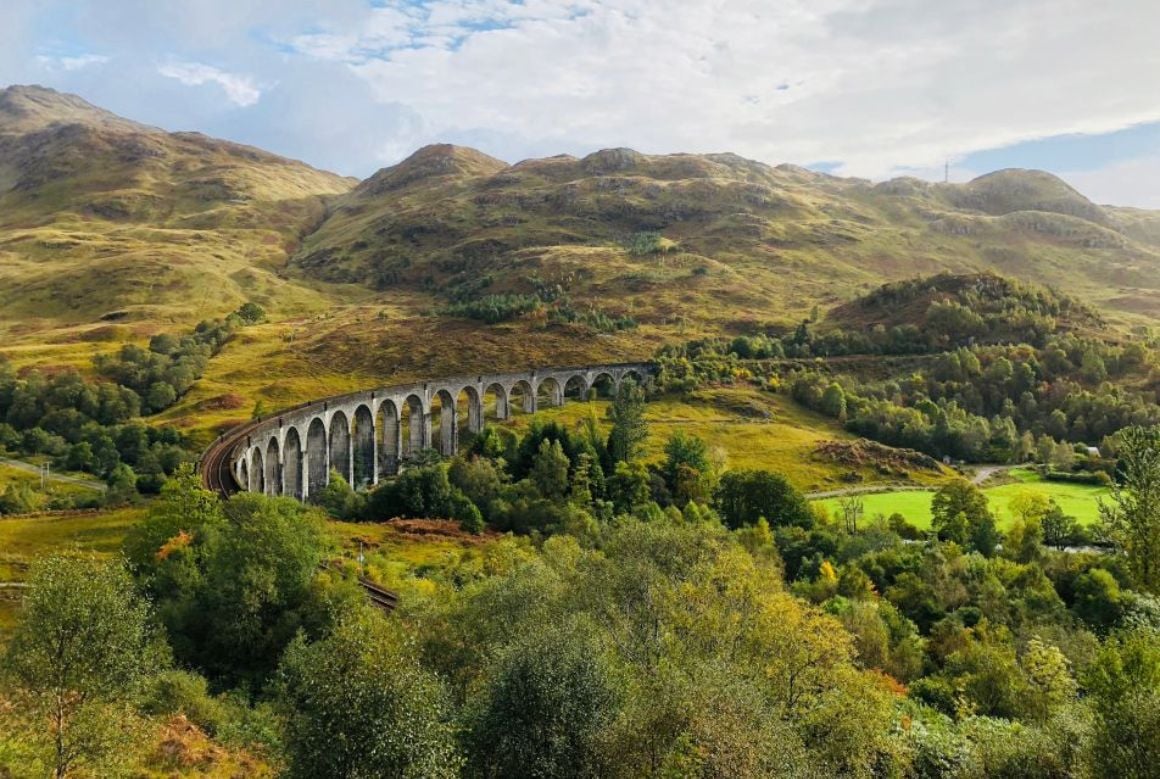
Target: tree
(629, 429)
(959, 513)
(358, 704)
(852, 509)
(1025, 536)
(478, 478)
(1132, 519)
(1097, 599)
(81, 648)
(628, 487)
(687, 469)
(166, 549)
(339, 499)
(985, 536)
(545, 710)
(1123, 685)
(233, 582)
(251, 313)
(834, 401)
(742, 497)
(1059, 529)
(550, 471)
(1050, 684)
(19, 497)
(161, 395)
(420, 491)
(256, 591)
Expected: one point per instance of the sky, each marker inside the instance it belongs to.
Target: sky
(870, 88)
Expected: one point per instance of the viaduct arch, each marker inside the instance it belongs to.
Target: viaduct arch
(367, 435)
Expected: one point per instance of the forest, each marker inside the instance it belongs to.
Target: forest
(639, 619)
(978, 391)
(94, 425)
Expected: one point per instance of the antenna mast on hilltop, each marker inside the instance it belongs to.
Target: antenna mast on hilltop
(947, 171)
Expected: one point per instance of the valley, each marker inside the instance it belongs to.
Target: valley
(840, 517)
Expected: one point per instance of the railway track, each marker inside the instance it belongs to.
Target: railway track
(214, 468)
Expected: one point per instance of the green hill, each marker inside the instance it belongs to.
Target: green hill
(103, 217)
(678, 237)
(452, 260)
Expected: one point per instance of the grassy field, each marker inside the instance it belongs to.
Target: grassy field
(744, 428)
(11, 475)
(401, 554)
(24, 539)
(1077, 500)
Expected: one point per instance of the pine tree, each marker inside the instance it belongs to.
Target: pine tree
(629, 430)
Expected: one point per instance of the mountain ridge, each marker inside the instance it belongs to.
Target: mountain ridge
(100, 214)
(562, 220)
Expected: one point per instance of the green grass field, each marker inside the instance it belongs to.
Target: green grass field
(744, 428)
(1078, 500)
(24, 539)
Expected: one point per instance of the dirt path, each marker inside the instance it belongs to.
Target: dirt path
(57, 477)
(985, 472)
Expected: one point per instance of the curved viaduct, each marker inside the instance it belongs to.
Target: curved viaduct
(368, 435)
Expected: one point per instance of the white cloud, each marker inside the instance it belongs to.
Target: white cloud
(241, 90)
(879, 85)
(72, 63)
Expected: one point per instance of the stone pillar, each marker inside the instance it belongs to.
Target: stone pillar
(448, 430)
(475, 413)
(349, 475)
(326, 459)
(393, 440)
(374, 447)
(304, 476)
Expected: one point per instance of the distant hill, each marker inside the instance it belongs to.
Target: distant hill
(103, 216)
(102, 219)
(732, 239)
(1003, 304)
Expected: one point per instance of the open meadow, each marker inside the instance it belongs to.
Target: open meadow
(1077, 500)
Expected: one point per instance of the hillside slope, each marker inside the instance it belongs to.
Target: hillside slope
(690, 236)
(100, 216)
(452, 260)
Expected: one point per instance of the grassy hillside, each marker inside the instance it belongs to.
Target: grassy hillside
(674, 239)
(112, 231)
(102, 219)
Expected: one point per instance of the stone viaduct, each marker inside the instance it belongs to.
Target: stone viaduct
(368, 435)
